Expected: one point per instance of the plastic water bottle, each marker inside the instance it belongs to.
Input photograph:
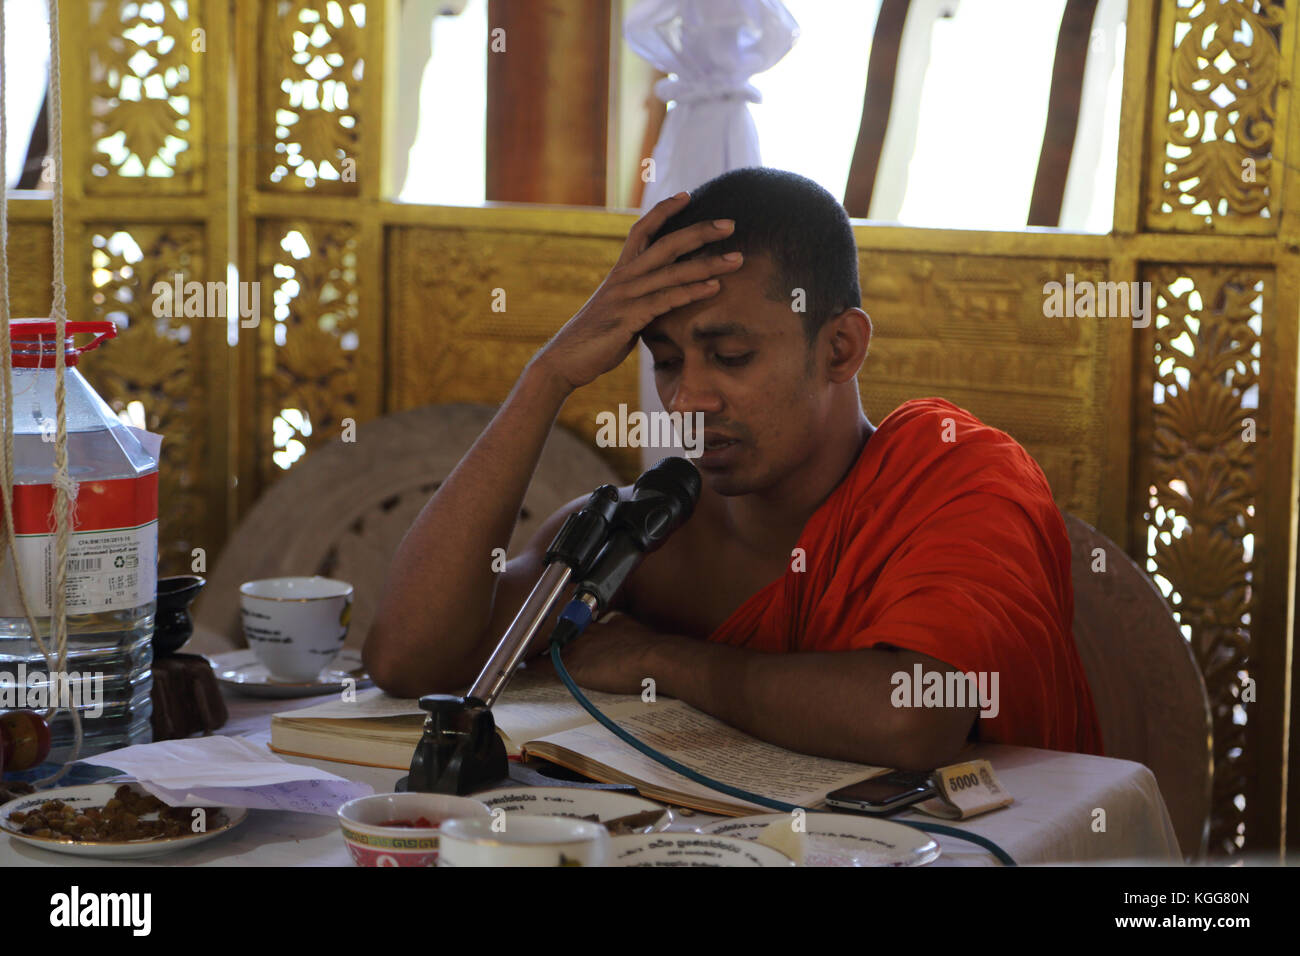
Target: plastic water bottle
(112, 554)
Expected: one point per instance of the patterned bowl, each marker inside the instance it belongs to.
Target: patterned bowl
(373, 844)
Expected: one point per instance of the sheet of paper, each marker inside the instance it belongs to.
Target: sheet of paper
(713, 748)
(229, 771)
(302, 796)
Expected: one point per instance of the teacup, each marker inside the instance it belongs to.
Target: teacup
(296, 626)
(517, 839)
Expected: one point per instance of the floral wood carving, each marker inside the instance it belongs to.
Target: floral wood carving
(308, 352)
(313, 72)
(146, 96)
(1200, 518)
(1214, 150)
(153, 370)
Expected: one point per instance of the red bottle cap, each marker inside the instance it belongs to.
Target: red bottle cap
(34, 342)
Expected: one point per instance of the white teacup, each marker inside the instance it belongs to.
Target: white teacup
(296, 626)
(517, 839)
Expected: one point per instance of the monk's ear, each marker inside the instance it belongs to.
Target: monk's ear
(847, 338)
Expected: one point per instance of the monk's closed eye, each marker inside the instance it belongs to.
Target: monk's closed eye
(735, 361)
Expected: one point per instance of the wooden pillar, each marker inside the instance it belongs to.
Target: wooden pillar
(547, 102)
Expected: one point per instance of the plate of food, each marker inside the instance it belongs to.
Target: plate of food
(833, 839)
(621, 814)
(111, 821)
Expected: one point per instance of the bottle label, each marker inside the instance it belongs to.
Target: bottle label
(112, 550)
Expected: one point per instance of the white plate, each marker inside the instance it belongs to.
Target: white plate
(574, 802)
(96, 795)
(692, 849)
(242, 672)
(841, 839)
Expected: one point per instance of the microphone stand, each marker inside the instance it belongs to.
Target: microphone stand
(460, 751)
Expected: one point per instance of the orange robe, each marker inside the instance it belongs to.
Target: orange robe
(942, 539)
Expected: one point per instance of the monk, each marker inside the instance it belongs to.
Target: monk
(871, 594)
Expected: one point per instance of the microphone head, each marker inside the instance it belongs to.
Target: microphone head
(676, 478)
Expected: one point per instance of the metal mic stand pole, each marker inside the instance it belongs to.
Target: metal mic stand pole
(460, 751)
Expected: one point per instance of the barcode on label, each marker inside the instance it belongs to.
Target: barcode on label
(85, 564)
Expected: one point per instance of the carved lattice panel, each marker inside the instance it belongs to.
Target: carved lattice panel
(447, 343)
(145, 96)
(1200, 520)
(153, 372)
(972, 329)
(313, 69)
(1216, 161)
(308, 345)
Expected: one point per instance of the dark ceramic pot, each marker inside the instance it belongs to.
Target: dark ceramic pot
(172, 623)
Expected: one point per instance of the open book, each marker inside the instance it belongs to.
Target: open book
(537, 716)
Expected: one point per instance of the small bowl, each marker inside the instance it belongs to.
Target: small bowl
(372, 844)
(172, 623)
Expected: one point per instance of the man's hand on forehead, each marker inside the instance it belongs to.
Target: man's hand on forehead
(650, 279)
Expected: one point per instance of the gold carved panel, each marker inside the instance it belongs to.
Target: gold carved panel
(1216, 159)
(447, 344)
(145, 96)
(1202, 529)
(307, 339)
(972, 329)
(313, 67)
(153, 371)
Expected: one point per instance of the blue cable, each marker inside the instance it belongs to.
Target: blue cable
(712, 784)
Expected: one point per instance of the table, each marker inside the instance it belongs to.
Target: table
(1050, 822)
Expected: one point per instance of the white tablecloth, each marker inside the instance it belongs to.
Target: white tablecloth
(1051, 821)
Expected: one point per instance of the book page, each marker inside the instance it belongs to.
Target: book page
(533, 705)
(536, 704)
(371, 702)
(713, 748)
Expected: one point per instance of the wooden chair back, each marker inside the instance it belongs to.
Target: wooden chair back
(342, 511)
(1148, 690)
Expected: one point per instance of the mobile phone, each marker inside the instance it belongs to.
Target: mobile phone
(885, 793)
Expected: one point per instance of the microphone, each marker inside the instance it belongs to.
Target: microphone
(663, 499)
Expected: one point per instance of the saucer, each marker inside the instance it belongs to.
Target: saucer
(242, 672)
(834, 839)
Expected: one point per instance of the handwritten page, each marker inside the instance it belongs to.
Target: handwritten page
(535, 705)
(713, 748)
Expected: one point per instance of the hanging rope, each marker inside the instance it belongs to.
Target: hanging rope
(65, 490)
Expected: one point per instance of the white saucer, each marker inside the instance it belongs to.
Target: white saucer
(839, 839)
(242, 672)
(96, 795)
